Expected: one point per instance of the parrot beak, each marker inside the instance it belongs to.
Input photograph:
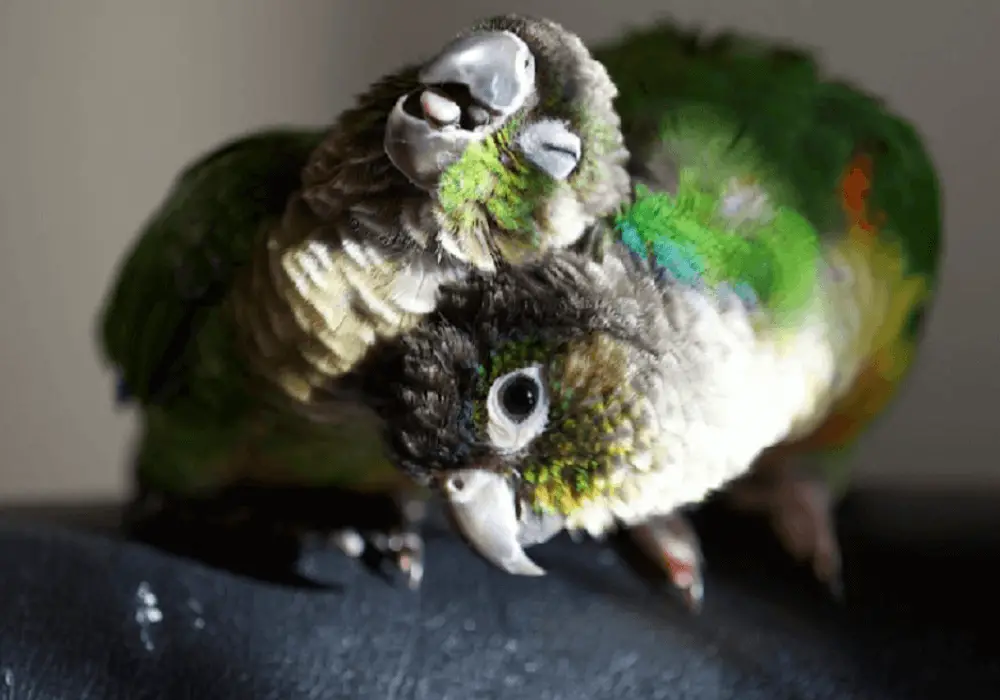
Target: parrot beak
(482, 504)
(474, 84)
(497, 68)
(551, 147)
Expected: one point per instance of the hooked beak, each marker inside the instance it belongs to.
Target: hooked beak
(551, 147)
(497, 68)
(482, 503)
(476, 82)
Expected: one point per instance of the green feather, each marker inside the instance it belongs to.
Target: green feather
(777, 260)
(674, 84)
(570, 462)
(165, 327)
(736, 107)
(182, 452)
(490, 173)
(170, 286)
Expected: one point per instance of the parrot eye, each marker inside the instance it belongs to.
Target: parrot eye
(518, 409)
(519, 396)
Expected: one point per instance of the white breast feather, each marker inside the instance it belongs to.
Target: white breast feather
(712, 429)
(566, 218)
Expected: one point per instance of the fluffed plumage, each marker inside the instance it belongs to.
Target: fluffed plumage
(859, 173)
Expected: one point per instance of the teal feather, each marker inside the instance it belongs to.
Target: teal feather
(772, 262)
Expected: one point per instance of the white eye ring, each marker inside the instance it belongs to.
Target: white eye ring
(511, 431)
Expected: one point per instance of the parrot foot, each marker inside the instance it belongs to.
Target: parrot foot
(801, 513)
(671, 542)
(404, 549)
(402, 546)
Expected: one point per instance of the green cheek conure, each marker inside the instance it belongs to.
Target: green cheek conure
(280, 259)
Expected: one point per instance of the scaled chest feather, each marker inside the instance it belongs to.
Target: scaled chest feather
(312, 308)
(727, 393)
(765, 357)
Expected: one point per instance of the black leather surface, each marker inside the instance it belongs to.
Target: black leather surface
(915, 626)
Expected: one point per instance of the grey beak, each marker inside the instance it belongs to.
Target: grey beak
(499, 71)
(551, 147)
(497, 67)
(482, 503)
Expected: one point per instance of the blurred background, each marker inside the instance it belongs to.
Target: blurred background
(103, 101)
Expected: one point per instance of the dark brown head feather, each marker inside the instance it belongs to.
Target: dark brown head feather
(350, 163)
(422, 383)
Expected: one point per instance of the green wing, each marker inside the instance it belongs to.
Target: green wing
(180, 268)
(805, 130)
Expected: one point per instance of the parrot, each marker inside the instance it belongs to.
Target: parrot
(732, 330)
(862, 175)
(279, 259)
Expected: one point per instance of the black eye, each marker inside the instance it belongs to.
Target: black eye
(519, 397)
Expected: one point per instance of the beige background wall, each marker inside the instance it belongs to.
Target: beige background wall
(102, 101)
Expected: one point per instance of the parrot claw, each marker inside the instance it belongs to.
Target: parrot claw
(672, 544)
(406, 550)
(403, 546)
(350, 542)
(835, 586)
(801, 513)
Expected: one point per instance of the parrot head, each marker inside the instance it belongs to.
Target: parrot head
(521, 413)
(510, 133)
(513, 129)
